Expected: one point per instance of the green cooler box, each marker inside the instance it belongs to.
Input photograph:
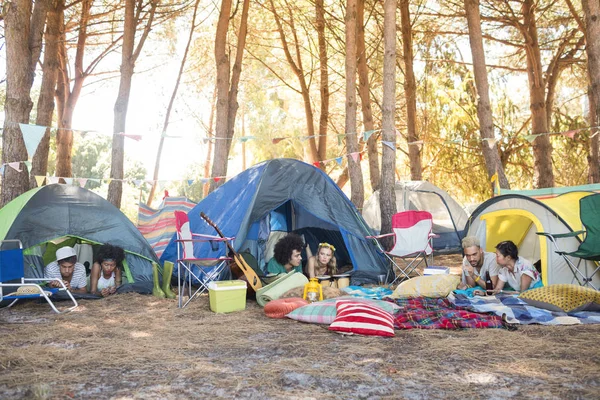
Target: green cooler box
(227, 296)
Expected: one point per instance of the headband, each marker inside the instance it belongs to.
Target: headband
(327, 245)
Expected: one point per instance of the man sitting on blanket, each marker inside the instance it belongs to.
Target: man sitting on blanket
(287, 255)
(476, 264)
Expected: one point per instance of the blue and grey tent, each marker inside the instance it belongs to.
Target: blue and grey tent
(51, 216)
(286, 195)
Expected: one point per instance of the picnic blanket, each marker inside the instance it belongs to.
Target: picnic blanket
(376, 293)
(517, 311)
(440, 313)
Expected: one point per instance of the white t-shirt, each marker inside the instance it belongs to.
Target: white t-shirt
(489, 265)
(78, 280)
(522, 267)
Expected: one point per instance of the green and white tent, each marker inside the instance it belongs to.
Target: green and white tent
(52, 216)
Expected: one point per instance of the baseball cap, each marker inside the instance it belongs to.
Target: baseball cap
(65, 252)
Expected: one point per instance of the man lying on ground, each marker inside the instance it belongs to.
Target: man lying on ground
(67, 269)
(476, 264)
(287, 255)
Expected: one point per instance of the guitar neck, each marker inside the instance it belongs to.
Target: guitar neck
(216, 228)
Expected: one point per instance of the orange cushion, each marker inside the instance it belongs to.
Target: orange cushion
(281, 307)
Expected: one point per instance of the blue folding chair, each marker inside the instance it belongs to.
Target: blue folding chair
(12, 275)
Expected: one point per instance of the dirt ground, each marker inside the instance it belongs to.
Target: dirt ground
(132, 346)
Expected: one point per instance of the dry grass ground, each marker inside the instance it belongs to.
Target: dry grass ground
(132, 346)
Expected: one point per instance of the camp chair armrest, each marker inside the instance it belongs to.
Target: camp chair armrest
(380, 236)
(211, 237)
(560, 235)
(433, 235)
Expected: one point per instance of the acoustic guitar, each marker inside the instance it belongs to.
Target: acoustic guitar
(239, 268)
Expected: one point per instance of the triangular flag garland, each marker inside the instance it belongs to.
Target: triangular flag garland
(32, 136)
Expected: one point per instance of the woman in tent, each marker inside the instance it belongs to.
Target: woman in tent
(106, 271)
(518, 272)
(324, 263)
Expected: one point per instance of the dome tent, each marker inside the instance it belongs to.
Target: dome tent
(449, 217)
(44, 216)
(517, 218)
(286, 195)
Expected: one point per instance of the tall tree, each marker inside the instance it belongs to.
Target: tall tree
(23, 31)
(410, 93)
(365, 97)
(357, 193)
(388, 156)
(542, 148)
(228, 79)
(171, 102)
(324, 81)
(484, 110)
(591, 10)
(45, 105)
(133, 15)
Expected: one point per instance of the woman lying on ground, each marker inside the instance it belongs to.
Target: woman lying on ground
(324, 263)
(106, 271)
(518, 272)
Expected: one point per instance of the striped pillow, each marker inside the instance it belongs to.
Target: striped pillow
(363, 319)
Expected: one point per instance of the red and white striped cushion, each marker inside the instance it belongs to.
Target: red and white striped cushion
(363, 319)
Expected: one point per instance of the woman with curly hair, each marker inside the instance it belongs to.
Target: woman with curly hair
(106, 271)
(287, 255)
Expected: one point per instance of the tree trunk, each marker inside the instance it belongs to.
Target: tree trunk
(542, 148)
(45, 105)
(128, 58)
(365, 98)
(484, 110)
(298, 70)
(387, 195)
(357, 193)
(410, 93)
(219, 167)
(591, 9)
(324, 81)
(210, 133)
(23, 32)
(170, 106)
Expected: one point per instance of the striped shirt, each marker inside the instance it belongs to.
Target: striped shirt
(78, 280)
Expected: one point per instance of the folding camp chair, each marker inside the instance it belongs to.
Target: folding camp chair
(412, 242)
(589, 249)
(12, 269)
(192, 269)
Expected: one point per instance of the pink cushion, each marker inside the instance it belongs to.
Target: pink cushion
(281, 307)
(363, 319)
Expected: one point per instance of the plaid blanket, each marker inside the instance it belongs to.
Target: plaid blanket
(428, 313)
(517, 311)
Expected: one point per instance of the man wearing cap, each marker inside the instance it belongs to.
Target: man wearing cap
(68, 269)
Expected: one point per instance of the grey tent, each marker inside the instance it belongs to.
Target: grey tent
(449, 218)
(50, 216)
(286, 195)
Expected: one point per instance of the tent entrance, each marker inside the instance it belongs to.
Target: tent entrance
(520, 227)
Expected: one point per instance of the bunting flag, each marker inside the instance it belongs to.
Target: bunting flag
(418, 143)
(16, 165)
(28, 165)
(82, 181)
(53, 179)
(137, 138)
(340, 137)
(190, 182)
(391, 145)
(354, 156)
(137, 182)
(367, 135)
(491, 142)
(277, 140)
(244, 139)
(570, 134)
(217, 178)
(530, 138)
(68, 181)
(32, 136)
(2, 169)
(317, 164)
(39, 180)
(339, 160)
(494, 181)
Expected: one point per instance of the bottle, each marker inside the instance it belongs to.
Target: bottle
(488, 281)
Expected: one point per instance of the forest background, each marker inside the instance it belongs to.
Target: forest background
(144, 96)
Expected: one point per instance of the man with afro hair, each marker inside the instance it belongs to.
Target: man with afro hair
(287, 255)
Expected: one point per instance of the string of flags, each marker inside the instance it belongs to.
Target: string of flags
(33, 134)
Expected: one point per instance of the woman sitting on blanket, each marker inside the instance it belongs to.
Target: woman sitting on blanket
(106, 271)
(518, 272)
(324, 263)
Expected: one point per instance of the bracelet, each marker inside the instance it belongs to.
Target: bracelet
(476, 279)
